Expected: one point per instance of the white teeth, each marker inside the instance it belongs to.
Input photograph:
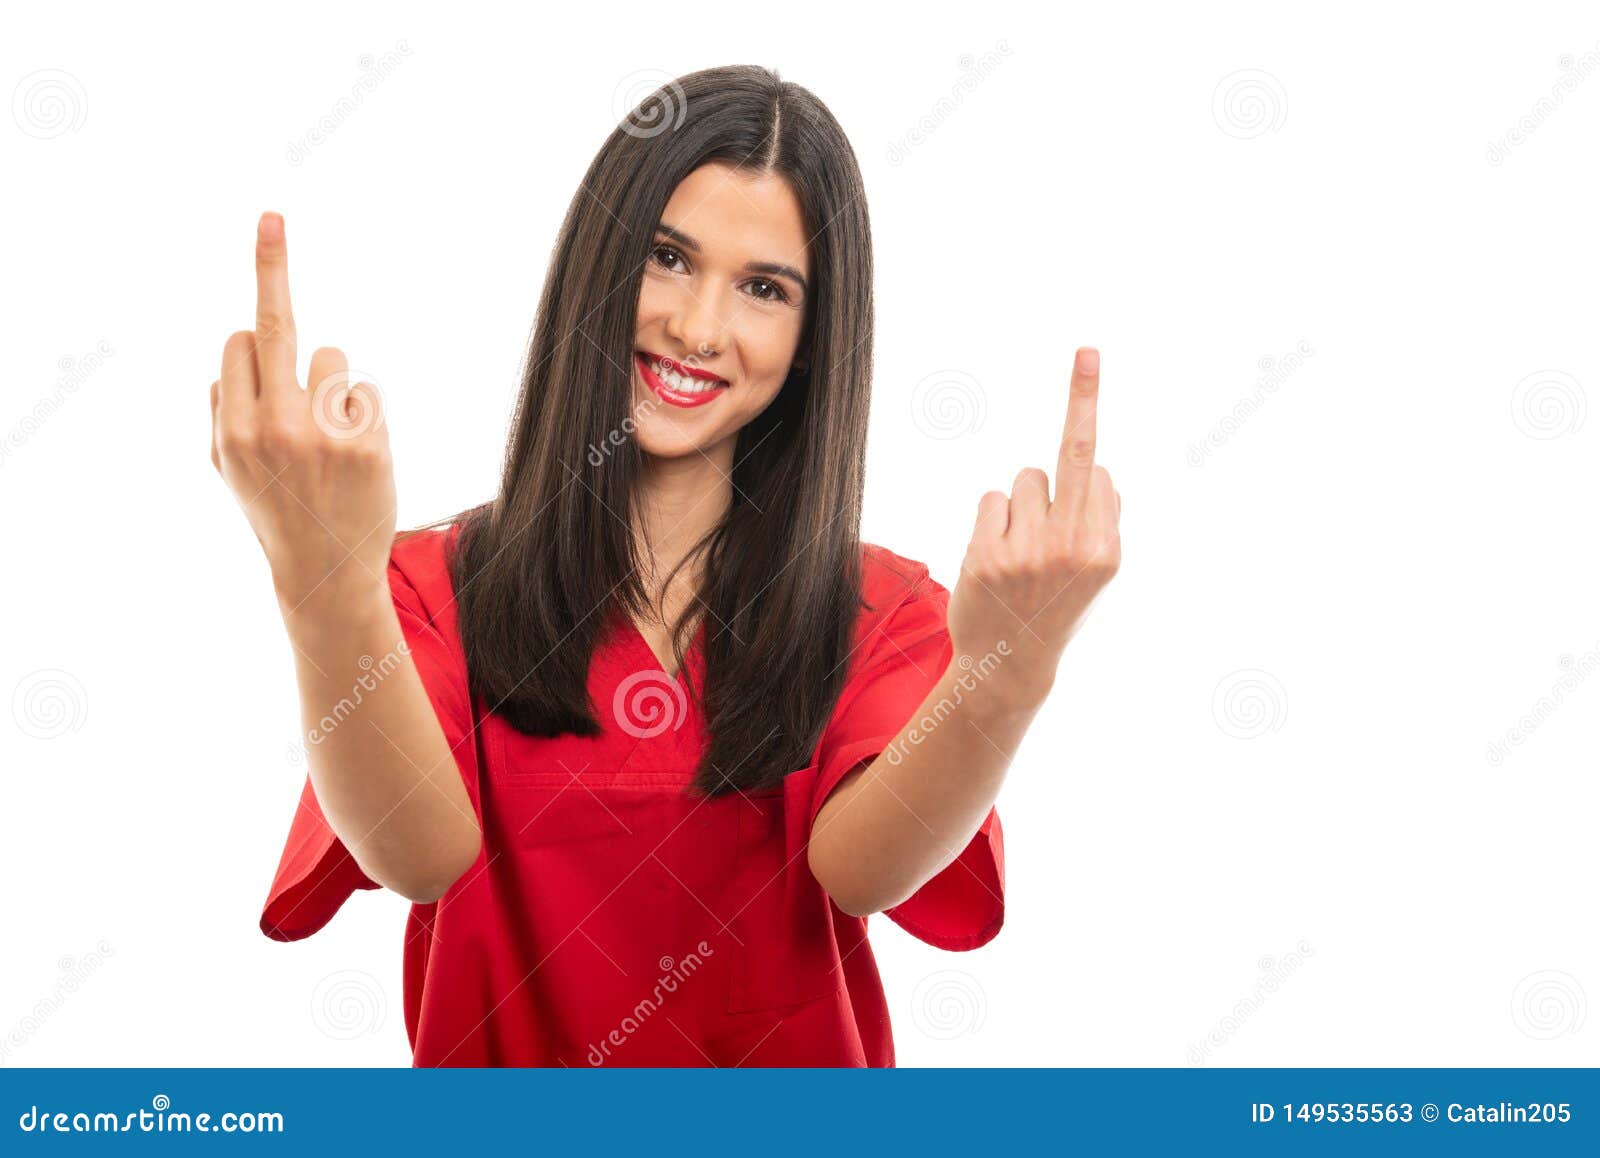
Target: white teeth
(680, 382)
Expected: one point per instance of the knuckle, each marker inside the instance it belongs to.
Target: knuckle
(1080, 451)
(981, 565)
(234, 443)
(278, 438)
(359, 452)
(271, 321)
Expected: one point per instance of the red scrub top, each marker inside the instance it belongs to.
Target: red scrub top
(611, 918)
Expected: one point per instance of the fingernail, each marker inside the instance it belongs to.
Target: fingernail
(271, 227)
(1088, 360)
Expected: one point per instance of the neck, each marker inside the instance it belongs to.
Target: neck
(680, 500)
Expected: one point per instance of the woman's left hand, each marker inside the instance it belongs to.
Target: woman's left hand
(1035, 565)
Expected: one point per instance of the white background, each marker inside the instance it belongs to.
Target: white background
(1267, 755)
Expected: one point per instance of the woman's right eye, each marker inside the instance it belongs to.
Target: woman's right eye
(659, 250)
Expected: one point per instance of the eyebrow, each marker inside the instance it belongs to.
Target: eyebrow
(772, 268)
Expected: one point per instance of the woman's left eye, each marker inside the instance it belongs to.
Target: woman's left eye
(776, 295)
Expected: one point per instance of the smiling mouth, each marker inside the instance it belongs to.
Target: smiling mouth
(677, 384)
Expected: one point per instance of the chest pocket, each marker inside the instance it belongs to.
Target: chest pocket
(785, 953)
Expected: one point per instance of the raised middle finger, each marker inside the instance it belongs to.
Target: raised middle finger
(1075, 465)
(275, 337)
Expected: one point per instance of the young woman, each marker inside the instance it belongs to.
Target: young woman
(647, 738)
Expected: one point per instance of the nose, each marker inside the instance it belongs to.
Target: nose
(696, 324)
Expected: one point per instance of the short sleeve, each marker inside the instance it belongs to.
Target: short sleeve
(963, 905)
(316, 873)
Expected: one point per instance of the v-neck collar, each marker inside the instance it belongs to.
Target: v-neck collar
(646, 652)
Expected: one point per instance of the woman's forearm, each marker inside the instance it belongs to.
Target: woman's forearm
(1035, 564)
(381, 767)
(892, 825)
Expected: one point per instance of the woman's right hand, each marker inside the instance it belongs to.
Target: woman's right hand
(311, 468)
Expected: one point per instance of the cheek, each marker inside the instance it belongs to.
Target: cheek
(772, 348)
(654, 302)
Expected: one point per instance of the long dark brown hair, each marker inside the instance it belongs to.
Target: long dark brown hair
(538, 571)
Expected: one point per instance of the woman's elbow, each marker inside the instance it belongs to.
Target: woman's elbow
(426, 885)
(849, 897)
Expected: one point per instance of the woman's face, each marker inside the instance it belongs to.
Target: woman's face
(724, 294)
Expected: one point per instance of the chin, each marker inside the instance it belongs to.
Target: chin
(670, 443)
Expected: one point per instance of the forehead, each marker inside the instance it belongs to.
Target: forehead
(739, 216)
